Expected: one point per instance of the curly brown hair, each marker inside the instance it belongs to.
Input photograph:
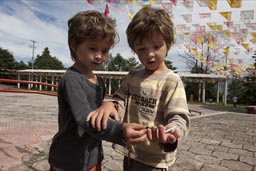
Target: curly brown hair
(91, 25)
(146, 23)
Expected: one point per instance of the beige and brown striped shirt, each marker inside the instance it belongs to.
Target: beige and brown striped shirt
(152, 100)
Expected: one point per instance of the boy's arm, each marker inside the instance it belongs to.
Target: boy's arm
(176, 114)
(119, 133)
(99, 117)
(113, 107)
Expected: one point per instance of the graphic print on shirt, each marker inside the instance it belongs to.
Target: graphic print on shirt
(146, 104)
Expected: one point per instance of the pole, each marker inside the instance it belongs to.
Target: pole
(32, 63)
(33, 50)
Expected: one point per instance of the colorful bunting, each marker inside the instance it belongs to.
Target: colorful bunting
(246, 15)
(106, 11)
(187, 17)
(226, 15)
(235, 3)
(202, 3)
(232, 38)
(205, 15)
(212, 4)
(229, 24)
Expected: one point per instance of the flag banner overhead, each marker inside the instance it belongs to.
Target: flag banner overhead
(208, 30)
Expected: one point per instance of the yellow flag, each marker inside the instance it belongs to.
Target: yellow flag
(253, 34)
(226, 15)
(212, 26)
(219, 28)
(195, 51)
(212, 4)
(201, 58)
(145, 5)
(253, 41)
(245, 45)
(186, 32)
(130, 16)
(230, 60)
(200, 39)
(131, 1)
(151, 1)
(227, 33)
(210, 44)
(226, 51)
(235, 3)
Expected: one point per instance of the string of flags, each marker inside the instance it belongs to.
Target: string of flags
(220, 39)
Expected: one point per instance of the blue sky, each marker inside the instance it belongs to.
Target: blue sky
(45, 21)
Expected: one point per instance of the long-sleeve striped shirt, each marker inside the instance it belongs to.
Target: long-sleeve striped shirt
(153, 100)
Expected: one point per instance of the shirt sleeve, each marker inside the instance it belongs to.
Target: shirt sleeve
(76, 96)
(177, 109)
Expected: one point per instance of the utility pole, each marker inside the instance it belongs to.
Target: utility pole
(32, 63)
(33, 50)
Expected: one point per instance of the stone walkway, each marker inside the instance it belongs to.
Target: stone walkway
(220, 139)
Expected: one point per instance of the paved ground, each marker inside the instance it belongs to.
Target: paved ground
(220, 139)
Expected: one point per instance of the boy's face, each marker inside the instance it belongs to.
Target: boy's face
(91, 53)
(152, 52)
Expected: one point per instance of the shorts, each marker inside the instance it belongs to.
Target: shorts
(94, 168)
(133, 165)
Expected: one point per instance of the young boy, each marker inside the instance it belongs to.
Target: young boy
(77, 146)
(154, 96)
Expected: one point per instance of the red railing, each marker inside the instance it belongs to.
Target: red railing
(13, 90)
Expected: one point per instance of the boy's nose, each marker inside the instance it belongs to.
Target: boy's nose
(98, 56)
(151, 54)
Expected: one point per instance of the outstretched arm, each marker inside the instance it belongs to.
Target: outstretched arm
(99, 117)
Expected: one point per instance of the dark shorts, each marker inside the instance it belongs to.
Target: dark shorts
(133, 165)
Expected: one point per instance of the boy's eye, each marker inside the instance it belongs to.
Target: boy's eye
(93, 49)
(105, 51)
(157, 46)
(140, 49)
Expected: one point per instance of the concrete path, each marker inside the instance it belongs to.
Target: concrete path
(220, 139)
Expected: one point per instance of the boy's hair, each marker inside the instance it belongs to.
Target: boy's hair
(91, 25)
(146, 23)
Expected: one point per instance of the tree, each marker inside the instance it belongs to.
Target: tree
(6, 59)
(46, 61)
(133, 63)
(169, 65)
(20, 65)
(118, 63)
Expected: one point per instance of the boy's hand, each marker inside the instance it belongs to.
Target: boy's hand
(158, 134)
(134, 133)
(99, 117)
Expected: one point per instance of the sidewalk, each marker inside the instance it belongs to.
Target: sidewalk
(220, 139)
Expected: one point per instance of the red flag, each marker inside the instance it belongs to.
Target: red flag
(106, 12)
(90, 1)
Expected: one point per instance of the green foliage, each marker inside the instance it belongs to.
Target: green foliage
(20, 65)
(236, 88)
(192, 90)
(133, 63)
(249, 96)
(6, 59)
(245, 91)
(46, 61)
(169, 65)
(118, 63)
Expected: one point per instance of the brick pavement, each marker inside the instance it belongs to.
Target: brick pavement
(218, 140)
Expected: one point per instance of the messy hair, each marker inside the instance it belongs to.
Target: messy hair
(91, 25)
(146, 23)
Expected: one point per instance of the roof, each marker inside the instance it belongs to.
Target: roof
(121, 73)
